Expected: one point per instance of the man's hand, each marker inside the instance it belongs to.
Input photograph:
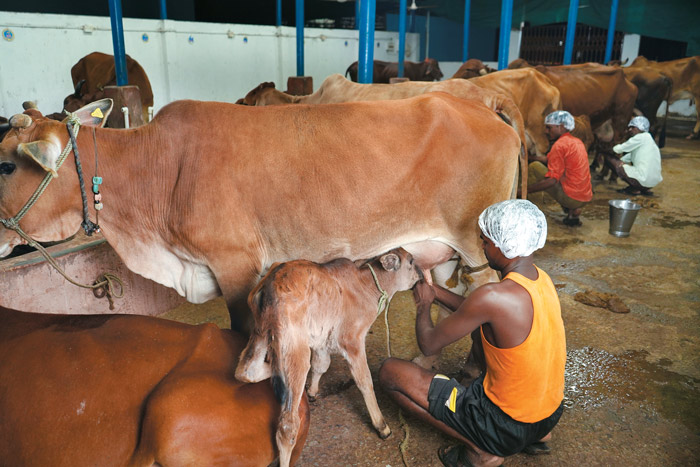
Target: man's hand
(423, 294)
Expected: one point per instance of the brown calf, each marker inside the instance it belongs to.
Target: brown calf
(302, 306)
(132, 391)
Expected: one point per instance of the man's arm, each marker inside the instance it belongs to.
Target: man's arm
(449, 299)
(471, 314)
(547, 182)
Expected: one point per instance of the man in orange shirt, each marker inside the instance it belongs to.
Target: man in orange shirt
(514, 405)
(564, 174)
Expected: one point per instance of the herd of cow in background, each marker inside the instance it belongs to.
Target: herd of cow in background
(165, 363)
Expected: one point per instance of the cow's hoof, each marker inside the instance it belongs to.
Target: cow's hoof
(385, 433)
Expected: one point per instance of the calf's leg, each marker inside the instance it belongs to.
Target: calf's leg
(320, 361)
(252, 366)
(357, 359)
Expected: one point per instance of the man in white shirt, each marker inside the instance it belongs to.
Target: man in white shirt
(640, 167)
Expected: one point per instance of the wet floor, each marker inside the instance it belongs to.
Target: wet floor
(632, 380)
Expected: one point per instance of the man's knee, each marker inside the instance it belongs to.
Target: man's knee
(388, 371)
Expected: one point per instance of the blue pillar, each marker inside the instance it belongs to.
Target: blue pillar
(611, 32)
(465, 40)
(300, 37)
(115, 15)
(402, 35)
(163, 9)
(278, 22)
(366, 59)
(504, 37)
(570, 31)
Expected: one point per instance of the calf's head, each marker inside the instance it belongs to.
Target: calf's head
(396, 271)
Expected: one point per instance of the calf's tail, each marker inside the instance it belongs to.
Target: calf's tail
(506, 107)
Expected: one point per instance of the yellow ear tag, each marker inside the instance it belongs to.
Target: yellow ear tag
(97, 113)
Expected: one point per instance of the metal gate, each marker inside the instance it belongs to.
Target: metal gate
(544, 45)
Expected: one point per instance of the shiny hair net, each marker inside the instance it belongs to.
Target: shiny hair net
(516, 226)
(560, 117)
(640, 122)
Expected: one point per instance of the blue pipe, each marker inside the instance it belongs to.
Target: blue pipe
(465, 40)
(570, 31)
(115, 15)
(368, 9)
(278, 22)
(300, 36)
(504, 36)
(402, 35)
(163, 9)
(611, 32)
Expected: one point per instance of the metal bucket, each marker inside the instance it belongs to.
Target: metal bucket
(623, 212)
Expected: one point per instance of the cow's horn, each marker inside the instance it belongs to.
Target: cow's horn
(29, 105)
(20, 121)
(483, 71)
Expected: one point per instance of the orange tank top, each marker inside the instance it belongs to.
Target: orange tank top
(527, 381)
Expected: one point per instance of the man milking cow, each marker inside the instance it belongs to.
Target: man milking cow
(517, 401)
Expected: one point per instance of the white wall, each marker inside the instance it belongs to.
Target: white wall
(222, 61)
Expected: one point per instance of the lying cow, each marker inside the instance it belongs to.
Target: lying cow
(382, 72)
(337, 89)
(130, 390)
(302, 308)
(234, 189)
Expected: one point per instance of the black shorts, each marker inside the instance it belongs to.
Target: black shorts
(481, 421)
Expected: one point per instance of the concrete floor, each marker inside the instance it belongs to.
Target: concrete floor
(632, 380)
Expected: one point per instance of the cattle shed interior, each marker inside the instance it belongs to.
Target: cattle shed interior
(630, 304)
(219, 51)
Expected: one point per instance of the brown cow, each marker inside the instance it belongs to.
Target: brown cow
(601, 92)
(234, 189)
(427, 70)
(337, 89)
(302, 308)
(95, 71)
(684, 73)
(535, 96)
(472, 68)
(130, 390)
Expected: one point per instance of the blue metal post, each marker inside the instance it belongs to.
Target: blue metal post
(465, 40)
(278, 22)
(366, 58)
(357, 14)
(504, 37)
(115, 15)
(611, 32)
(300, 37)
(570, 31)
(163, 9)
(402, 35)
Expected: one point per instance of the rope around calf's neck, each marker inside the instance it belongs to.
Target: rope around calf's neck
(381, 306)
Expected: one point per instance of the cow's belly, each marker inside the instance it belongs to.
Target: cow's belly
(191, 278)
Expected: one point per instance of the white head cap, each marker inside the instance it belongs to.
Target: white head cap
(560, 117)
(640, 122)
(516, 226)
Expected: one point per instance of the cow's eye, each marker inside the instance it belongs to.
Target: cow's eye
(6, 168)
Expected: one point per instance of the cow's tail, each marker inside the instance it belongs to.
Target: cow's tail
(662, 134)
(507, 108)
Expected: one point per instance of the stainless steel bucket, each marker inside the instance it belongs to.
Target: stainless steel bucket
(623, 212)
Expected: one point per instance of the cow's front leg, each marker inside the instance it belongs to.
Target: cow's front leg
(357, 359)
(320, 361)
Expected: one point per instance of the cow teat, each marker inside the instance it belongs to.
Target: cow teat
(20, 121)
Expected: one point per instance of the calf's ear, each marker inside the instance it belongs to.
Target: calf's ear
(390, 261)
(45, 153)
(95, 113)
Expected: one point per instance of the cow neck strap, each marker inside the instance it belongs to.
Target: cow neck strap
(383, 303)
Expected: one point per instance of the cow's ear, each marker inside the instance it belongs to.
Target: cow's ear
(95, 113)
(390, 261)
(45, 153)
